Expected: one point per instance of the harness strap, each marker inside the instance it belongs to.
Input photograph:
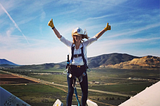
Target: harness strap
(84, 60)
(78, 55)
(72, 49)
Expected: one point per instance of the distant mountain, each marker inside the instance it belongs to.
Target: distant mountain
(146, 62)
(109, 59)
(113, 60)
(4, 62)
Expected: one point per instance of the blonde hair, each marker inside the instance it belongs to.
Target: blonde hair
(85, 35)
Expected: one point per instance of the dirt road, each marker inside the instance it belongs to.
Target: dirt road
(60, 85)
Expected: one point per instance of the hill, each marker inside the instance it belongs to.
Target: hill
(4, 62)
(109, 59)
(93, 62)
(113, 60)
(146, 62)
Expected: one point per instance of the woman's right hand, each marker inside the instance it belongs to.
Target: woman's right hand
(50, 23)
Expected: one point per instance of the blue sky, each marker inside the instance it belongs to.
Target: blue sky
(25, 37)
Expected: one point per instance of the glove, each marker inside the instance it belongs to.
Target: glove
(50, 23)
(108, 27)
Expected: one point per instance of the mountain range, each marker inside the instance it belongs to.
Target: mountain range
(4, 62)
(109, 59)
(113, 60)
(146, 62)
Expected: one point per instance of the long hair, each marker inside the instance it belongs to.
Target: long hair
(85, 35)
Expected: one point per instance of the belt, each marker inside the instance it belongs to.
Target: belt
(78, 66)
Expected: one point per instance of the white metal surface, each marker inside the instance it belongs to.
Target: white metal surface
(58, 103)
(148, 97)
(91, 103)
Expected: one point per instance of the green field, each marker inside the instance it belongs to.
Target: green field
(128, 82)
(36, 94)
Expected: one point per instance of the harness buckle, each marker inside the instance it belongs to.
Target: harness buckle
(70, 75)
(77, 56)
(78, 66)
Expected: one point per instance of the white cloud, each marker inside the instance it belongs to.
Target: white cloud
(90, 6)
(14, 22)
(9, 4)
(35, 56)
(135, 30)
(120, 42)
(111, 46)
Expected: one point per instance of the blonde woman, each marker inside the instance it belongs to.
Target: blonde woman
(78, 51)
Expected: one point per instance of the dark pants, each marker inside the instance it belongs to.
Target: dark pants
(84, 86)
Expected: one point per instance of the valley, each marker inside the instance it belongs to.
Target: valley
(107, 87)
(112, 79)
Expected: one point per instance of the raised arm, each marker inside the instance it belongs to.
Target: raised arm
(50, 23)
(108, 27)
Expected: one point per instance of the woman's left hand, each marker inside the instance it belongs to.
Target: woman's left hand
(108, 27)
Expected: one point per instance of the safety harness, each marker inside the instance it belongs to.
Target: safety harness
(83, 74)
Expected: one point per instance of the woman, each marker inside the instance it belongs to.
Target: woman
(78, 59)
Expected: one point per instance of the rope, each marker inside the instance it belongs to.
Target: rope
(75, 91)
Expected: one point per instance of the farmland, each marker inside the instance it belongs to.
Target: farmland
(128, 82)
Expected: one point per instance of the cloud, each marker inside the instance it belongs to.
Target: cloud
(43, 15)
(135, 30)
(13, 22)
(30, 56)
(100, 17)
(130, 41)
(120, 42)
(117, 45)
(83, 7)
(8, 42)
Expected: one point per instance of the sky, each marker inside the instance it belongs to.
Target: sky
(26, 39)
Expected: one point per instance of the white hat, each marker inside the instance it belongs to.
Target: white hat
(77, 31)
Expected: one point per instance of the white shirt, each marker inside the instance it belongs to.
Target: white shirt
(78, 60)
